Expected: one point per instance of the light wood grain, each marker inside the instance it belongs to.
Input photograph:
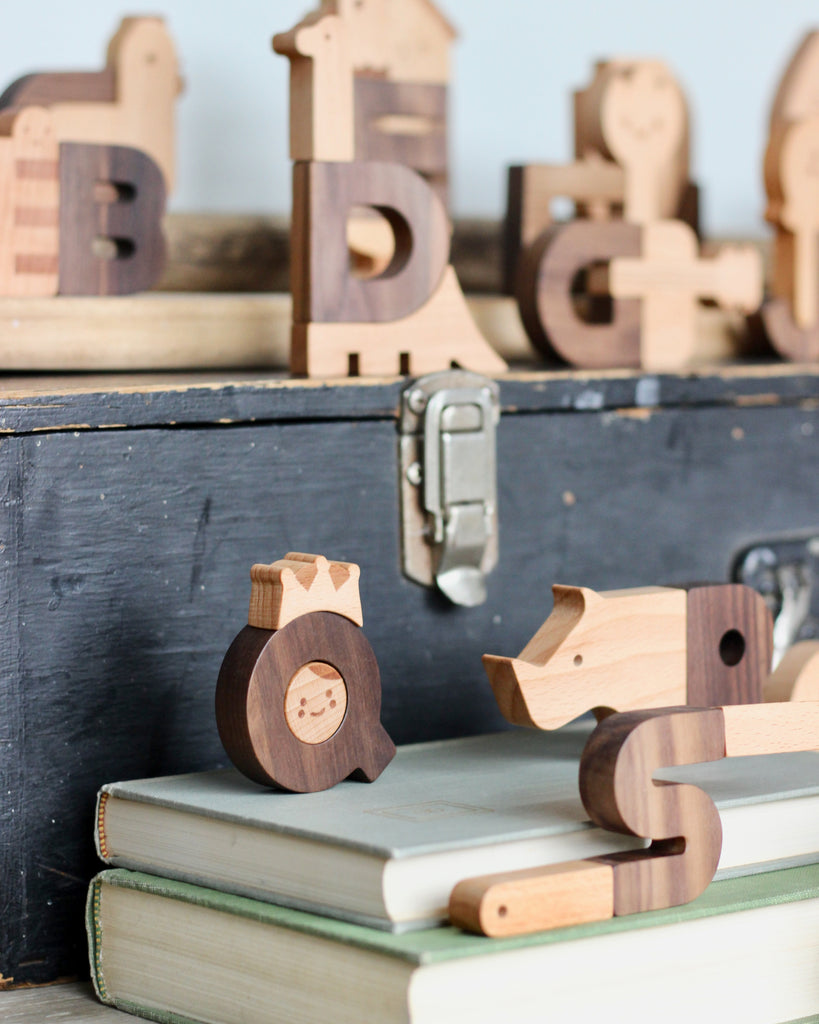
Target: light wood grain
(441, 333)
(409, 42)
(321, 88)
(796, 677)
(29, 203)
(149, 332)
(797, 95)
(301, 583)
(596, 651)
(141, 64)
(771, 728)
(635, 113)
(670, 278)
(535, 899)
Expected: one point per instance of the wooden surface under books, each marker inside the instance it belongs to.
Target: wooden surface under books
(57, 1004)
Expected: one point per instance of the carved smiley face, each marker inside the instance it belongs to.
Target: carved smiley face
(643, 113)
(315, 702)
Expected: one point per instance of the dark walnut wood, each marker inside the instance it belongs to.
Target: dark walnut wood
(111, 198)
(547, 295)
(729, 638)
(322, 283)
(619, 794)
(41, 89)
(262, 737)
(403, 123)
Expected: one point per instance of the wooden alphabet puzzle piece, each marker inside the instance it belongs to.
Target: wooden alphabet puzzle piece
(411, 318)
(792, 184)
(635, 113)
(368, 83)
(791, 171)
(298, 584)
(113, 194)
(129, 103)
(655, 278)
(299, 694)
(619, 794)
(635, 649)
(58, 201)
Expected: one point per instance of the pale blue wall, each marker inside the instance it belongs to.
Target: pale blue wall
(516, 62)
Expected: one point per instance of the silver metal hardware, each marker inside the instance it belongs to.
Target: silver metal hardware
(786, 572)
(449, 509)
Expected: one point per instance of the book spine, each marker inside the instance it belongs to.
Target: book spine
(100, 840)
(94, 928)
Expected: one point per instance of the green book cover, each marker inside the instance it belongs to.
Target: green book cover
(446, 951)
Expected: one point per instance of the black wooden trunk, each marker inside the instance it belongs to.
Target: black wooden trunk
(132, 512)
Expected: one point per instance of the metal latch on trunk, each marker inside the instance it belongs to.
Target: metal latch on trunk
(449, 509)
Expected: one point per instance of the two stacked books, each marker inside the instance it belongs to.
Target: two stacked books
(231, 904)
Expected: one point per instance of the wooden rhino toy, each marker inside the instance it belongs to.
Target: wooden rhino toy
(651, 647)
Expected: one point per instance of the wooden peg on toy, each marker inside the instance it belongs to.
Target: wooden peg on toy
(626, 650)
(298, 697)
(131, 102)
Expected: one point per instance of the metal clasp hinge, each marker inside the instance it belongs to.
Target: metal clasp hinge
(449, 508)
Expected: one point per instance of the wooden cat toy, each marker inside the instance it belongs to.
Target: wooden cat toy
(643, 648)
(298, 697)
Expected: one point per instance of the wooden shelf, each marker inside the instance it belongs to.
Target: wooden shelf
(57, 1004)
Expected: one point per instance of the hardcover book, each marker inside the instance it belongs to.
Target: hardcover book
(747, 950)
(387, 854)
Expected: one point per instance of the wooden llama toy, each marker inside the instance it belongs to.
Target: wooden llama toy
(130, 102)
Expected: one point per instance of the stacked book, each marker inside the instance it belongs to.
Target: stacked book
(231, 904)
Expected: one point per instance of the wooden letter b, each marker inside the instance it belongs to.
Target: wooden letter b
(112, 195)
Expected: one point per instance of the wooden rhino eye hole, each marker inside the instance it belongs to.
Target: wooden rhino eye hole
(732, 647)
(578, 660)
